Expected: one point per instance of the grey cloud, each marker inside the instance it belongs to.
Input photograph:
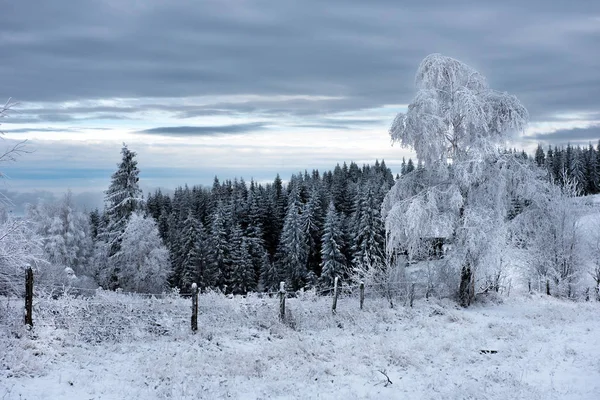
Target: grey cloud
(543, 52)
(205, 130)
(343, 124)
(578, 135)
(27, 130)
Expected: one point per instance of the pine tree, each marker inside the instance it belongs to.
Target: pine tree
(593, 171)
(334, 262)
(255, 234)
(219, 265)
(193, 254)
(410, 167)
(312, 220)
(242, 271)
(94, 224)
(539, 156)
(122, 198)
(369, 230)
(65, 233)
(270, 276)
(577, 170)
(292, 253)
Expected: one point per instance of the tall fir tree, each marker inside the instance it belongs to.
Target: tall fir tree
(242, 271)
(334, 263)
(193, 258)
(122, 199)
(219, 264)
(539, 156)
(369, 231)
(293, 253)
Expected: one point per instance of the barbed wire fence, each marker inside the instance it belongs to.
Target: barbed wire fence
(97, 315)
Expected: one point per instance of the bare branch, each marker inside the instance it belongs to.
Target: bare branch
(389, 382)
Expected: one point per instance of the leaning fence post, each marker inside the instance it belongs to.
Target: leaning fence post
(362, 294)
(282, 301)
(412, 294)
(194, 307)
(29, 297)
(335, 295)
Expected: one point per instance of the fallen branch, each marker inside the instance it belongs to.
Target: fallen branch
(389, 382)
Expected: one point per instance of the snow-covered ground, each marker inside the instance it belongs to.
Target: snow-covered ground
(546, 349)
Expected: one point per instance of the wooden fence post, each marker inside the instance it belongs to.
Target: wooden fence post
(282, 301)
(362, 294)
(412, 294)
(29, 297)
(335, 295)
(194, 307)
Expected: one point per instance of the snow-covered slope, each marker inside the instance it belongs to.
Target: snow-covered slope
(544, 349)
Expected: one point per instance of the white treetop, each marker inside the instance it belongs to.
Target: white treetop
(455, 114)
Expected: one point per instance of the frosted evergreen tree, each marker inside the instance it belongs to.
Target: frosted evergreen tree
(539, 156)
(369, 239)
(410, 167)
(193, 254)
(65, 232)
(219, 265)
(255, 234)
(312, 220)
(270, 276)
(334, 262)
(592, 171)
(122, 199)
(242, 271)
(94, 222)
(577, 169)
(293, 252)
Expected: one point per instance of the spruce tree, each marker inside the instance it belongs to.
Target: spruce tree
(312, 220)
(593, 171)
(539, 156)
(192, 264)
(122, 198)
(334, 262)
(293, 252)
(242, 272)
(219, 265)
(369, 230)
(410, 167)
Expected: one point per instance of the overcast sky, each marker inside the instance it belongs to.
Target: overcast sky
(252, 88)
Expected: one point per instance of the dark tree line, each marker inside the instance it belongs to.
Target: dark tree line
(241, 237)
(578, 165)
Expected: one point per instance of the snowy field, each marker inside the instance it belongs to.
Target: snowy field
(121, 347)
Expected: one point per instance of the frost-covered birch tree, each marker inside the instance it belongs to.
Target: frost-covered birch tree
(455, 124)
(553, 235)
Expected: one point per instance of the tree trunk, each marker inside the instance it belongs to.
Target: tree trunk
(465, 291)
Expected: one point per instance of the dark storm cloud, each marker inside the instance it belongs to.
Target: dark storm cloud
(577, 135)
(366, 52)
(204, 130)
